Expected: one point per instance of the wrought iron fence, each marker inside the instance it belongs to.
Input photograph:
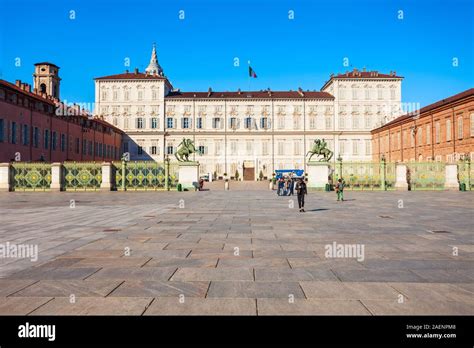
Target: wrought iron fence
(144, 175)
(365, 175)
(82, 176)
(426, 175)
(34, 176)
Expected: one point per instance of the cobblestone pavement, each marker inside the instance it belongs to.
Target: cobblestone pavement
(238, 252)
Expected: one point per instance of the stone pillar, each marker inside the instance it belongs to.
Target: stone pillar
(318, 173)
(5, 177)
(451, 181)
(108, 181)
(401, 183)
(189, 174)
(57, 177)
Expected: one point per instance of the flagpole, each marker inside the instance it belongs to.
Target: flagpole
(249, 74)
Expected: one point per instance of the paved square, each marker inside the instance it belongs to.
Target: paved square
(240, 252)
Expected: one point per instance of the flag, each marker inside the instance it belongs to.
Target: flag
(252, 73)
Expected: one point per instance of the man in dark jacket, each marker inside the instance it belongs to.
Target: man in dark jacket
(301, 192)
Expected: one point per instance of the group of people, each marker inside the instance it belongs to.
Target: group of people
(287, 185)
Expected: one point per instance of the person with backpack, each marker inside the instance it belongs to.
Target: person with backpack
(301, 191)
(340, 189)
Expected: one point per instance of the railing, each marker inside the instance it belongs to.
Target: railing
(426, 175)
(144, 175)
(365, 175)
(82, 176)
(35, 176)
(466, 174)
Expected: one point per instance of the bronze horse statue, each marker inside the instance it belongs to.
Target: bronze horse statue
(320, 148)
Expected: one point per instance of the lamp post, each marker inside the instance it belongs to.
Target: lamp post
(382, 173)
(167, 173)
(339, 164)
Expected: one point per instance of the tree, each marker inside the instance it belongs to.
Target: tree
(237, 175)
(260, 176)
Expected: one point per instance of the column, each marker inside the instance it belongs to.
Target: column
(108, 181)
(451, 181)
(401, 183)
(56, 176)
(5, 182)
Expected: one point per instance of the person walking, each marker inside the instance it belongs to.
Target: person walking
(301, 191)
(280, 187)
(340, 190)
(292, 185)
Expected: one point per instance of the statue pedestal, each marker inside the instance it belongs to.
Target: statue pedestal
(188, 174)
(318, 173)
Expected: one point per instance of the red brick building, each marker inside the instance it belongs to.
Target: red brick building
(36, 126)
(442, 131)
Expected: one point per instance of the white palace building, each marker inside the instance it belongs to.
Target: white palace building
(252, 132)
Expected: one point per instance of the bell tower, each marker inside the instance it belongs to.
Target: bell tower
(46, 79)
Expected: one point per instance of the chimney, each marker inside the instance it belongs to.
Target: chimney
(394, 73)
(136, 71)
(209, 92)
(18, 83)
(28, 87)
(239, 92)
(300, 91)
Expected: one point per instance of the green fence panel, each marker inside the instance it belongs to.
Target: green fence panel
(426, 175)
(34, 176)
(359, 175)
(82, 176)
(466, 174)
(144, 175)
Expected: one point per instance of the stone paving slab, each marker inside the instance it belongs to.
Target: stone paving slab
(281, 253)
(198, 306)
(271, 306)
(94, 306)
(161, 289)
(21, 305)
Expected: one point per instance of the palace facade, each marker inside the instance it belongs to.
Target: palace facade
(249, 132)
(442, 131)
(36, 126)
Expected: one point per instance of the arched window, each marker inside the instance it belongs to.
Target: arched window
(43, 88)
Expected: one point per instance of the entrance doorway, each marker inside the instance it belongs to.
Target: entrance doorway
(249, 170)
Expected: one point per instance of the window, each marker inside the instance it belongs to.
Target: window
(297, 148)
(420, 136)
(355, 147)
(140, 95)
(216, 123)
(354, 94)
(84, 147)
(281, 148)
(154, 123)
(139, 123)
(342, 147)
(169, 122)
(249, 147)
(63, 142)
(199, 123)
(471, 126)
(428, 134)
(296, 122)
(233, 123)
(154, 150)
(248, 122)
(265, 148)
(355, 122)
(448, 130)
(54, 141)
(13, 133)
(368, 146)
(233, 147)
(125, 146)
(91, 148)
(115, 95)
(312, 122)
(104, 94)
(36, 137)
(342, 94)
(264, 123)
(328, 123)
(100, 150)
(169, 150)
(218, 148)
(77, 145)
(392, 94)
(341, 122)
(46, 139)
(185, 122)
(139, 150)
(281, 122)
(367, 122)
(367, 93)
(379, 94)
(2, 130)
(154, 94)
(460, 128)
(126, 94)
(25, 135)
(437, 132)
(201, 149)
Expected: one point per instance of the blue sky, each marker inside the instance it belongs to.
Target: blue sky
(199, 51)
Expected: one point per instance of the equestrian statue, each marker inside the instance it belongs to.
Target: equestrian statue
(185, 148)
(320, 148)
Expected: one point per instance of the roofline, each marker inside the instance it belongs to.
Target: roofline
(428, 109)
(47, 63)
(360, 78)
